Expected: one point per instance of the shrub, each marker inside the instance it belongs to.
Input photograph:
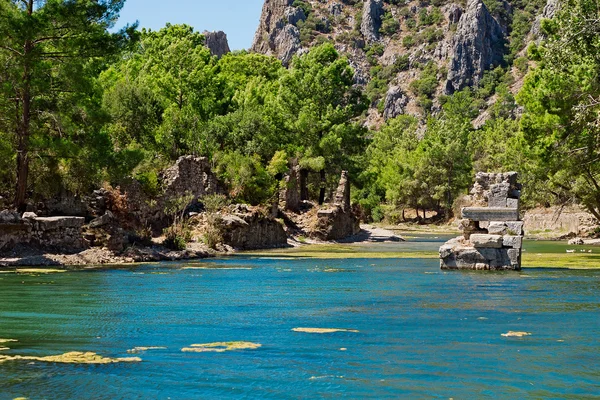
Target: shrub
(214, 202)
(389, 24)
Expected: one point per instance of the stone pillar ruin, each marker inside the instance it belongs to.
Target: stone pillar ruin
(492, 230)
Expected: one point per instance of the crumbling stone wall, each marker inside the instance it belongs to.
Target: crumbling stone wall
(492, 231)
(52, 233)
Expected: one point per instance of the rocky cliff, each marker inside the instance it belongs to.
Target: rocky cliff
(217, 43)
(398, 48)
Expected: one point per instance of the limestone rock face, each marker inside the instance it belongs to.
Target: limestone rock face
(478, 45)
(549, 12)
(395, 103)
(277, 34)
(287, 43)
(453, 13)
(217, 43)
(371, 20)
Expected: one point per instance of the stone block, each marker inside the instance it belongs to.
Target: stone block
(497, 228)
(53, 223)
(514, 256)
(498, 195)
(515, 227)
(466, 258)
(486, 241)
(515, 242)
(490, 214)
(512, 203)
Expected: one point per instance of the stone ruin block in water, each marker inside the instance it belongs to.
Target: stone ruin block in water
(492, 233)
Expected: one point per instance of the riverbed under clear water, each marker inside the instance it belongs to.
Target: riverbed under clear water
(422, 333)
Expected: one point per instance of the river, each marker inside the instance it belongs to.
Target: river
(414, 331)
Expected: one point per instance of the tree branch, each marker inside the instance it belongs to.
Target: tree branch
(11, 49)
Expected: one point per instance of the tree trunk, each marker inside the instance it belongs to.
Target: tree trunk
(303, 184)
(322, 191)
(23, 129)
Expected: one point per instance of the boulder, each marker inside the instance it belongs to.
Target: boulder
(576, 241)
(335, 224)
(246, 228)
(478, 46)
(395, 102)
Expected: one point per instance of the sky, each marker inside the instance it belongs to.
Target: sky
(237, 18)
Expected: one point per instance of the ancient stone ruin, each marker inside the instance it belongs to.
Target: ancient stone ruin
(492, 231)
(53, 233)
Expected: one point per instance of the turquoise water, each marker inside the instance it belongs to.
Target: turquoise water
(422, 333)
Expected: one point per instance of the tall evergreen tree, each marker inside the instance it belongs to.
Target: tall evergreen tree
(50, 49)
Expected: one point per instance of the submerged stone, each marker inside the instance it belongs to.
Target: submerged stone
(140, 349)
(220, 347)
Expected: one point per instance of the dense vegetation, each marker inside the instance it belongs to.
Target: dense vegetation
(81, 106)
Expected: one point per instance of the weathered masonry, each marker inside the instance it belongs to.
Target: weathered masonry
(492, 231)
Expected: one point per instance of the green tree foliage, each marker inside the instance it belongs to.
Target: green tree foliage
(164, 92)
(51, 52)
(428, 172)
(318, 102)
(562, 104)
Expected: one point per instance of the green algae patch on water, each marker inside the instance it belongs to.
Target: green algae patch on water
(74, 357)
(142, 349)
(39, 271)
(323, 330)
(566, 260)
(220, 347)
